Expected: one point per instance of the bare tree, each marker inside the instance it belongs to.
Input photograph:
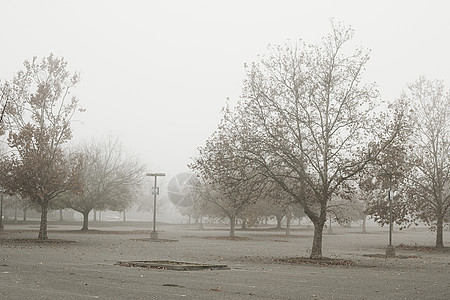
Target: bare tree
(110, 179)
(38, 120)
(228, 182)
(307, 120)
(429, 155)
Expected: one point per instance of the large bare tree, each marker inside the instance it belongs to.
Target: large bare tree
(307, 119)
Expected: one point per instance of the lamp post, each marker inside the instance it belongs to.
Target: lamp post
(1, 211)
(155, 192)
(390, 250)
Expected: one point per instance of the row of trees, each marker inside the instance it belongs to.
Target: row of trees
(308, 131)
(41, 166)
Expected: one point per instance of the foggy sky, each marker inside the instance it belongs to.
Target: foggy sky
(157, 73)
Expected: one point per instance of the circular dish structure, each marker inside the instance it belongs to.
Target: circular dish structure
(180, 189)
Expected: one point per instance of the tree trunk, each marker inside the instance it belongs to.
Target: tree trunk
(60, 215)
(95, 215)
(288, 224)
(24, 214)
(316, 251)
(244, 224)
(43, 227)
(364, 230)
(439, 232)
(330, 230)
(1, 212)
(201, 223)
(85, 221)
(232, 226)
(279, 218)
(124, 216)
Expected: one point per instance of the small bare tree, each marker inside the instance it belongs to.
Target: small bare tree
(228, 182)
(109, 178)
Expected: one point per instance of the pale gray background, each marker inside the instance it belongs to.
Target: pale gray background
(157, 73)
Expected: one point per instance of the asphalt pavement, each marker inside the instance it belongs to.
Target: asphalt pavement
(75, 265)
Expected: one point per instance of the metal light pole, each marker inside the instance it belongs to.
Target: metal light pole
(1, 212)
(390, 250)
(155, 192)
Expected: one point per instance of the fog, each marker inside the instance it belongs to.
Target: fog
(157, 73)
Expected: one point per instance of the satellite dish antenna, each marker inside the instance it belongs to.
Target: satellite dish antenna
(180, 189)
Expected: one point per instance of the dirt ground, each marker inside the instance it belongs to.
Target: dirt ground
(263, 264)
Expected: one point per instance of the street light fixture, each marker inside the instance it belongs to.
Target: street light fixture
(155, 192)
(1, 212)
(390, 250)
